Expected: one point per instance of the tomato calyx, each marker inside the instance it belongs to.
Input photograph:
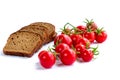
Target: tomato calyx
(87, 45)
(88, 22)
(56, 43)
(95, 50)
(99, 30)
(52, 50)
(78, 31)
(66, 30)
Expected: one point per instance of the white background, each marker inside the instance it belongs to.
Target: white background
(15, 14)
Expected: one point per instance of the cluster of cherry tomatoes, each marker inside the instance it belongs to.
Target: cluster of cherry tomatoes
(74, 43)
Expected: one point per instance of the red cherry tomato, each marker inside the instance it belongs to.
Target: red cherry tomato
(60, 47)
(81, 27)
(79, 49)
(68, 56)
(101, 37)
(87, 55)
(75, 38)
(84, 42)
(47, 59)
(63, 38)
(90, 36)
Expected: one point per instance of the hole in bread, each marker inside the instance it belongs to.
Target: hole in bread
(17, 36)
(12, 38)
(14, 43)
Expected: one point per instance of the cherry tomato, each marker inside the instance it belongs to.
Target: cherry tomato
(68, 56)
(81, 27)
(90, 36)
(91, 24)
(63, 38)
(60, 47)
(79, 49)
(75, 38)
(101, 37)
(47, 59)
(87, 55)
(84, 42)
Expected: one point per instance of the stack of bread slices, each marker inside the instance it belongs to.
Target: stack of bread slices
(29, 39)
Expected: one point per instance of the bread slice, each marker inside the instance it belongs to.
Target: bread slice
(22, 43)
(36, 29)
(50, 27)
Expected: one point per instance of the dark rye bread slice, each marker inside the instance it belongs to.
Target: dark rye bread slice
(22, 43)
(36, 29)
(50, 27)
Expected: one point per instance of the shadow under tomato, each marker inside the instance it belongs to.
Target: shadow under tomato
(59, 63)
(38, 66)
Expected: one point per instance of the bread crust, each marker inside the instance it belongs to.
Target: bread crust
(21, 53)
